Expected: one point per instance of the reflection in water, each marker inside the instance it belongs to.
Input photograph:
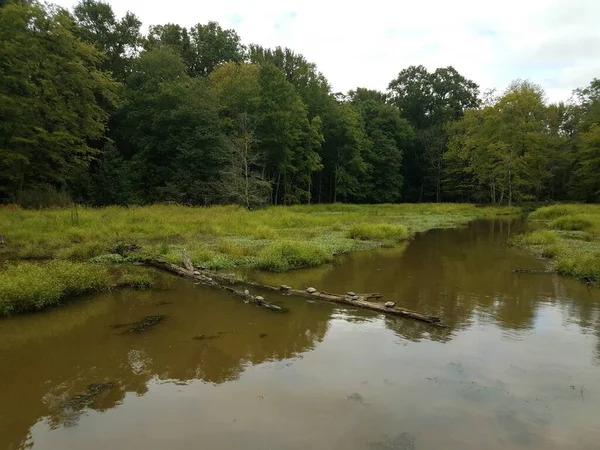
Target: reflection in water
(516, 368)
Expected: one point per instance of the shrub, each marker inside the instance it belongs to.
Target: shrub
(288, 255)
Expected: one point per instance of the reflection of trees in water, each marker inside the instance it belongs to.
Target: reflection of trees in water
(95, 353)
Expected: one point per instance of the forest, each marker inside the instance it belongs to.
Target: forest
(95, 111)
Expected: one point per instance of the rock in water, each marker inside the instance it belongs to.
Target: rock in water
(311, 290)
(389, 304)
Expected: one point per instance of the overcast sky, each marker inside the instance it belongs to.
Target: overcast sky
(555, 43)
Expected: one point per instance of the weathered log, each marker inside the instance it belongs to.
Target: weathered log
(209, 278)
(204, 279)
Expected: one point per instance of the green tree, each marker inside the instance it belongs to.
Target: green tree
(51, 89)
(389, 136)
(212, 45)
(118, 39)
(428, 101)
(506, 148)
(589, 164)
(174, 36)
(587, 123)
(172, 123)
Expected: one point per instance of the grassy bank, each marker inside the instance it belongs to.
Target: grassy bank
(570, 236)
(27, 286)
(76, 246)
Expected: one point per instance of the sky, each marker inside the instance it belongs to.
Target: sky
(554, 43)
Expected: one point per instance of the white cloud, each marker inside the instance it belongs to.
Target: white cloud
(551, 42)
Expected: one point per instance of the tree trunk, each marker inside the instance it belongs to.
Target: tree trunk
(335, 185)
(320, 186)
(509, 186)
(309, 186)
(277, 189)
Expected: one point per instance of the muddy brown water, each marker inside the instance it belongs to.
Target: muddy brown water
(517, 367)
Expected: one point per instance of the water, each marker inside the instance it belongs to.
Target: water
(517, 367)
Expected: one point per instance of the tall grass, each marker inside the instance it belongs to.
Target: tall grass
(379, 232)
(65, 241)
(220, 236)
(288, 255)
(569, 234)
(27, 286)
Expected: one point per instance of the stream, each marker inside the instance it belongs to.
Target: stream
(187, 367)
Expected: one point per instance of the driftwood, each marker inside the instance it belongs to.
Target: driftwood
(214, 279)
(206, 280)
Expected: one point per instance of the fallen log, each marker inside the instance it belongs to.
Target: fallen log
(209, 278)
(206, 280)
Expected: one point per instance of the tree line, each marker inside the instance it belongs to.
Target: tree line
(94, 111)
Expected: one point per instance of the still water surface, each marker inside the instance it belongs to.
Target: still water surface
(518, 366)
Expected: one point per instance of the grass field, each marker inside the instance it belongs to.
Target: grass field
(570, 236)
(221, 237)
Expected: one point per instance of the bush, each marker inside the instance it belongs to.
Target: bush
(289, 255)
(379, 232)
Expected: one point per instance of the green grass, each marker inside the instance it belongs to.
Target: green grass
(288, 255)
(221, 237)
(569, 235)
(28, 286)
(379, 232)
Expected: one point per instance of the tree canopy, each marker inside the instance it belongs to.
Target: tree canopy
(93, 107)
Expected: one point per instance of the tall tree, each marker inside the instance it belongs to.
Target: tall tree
(428, 101)
(51, 90)
(172, 123)
(389, 136)
(119, 39)
(587, 123)
(212, 45)
(506, 147)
